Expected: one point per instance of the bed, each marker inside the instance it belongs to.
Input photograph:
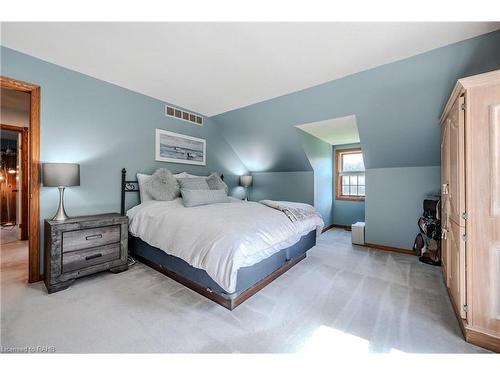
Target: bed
(226, 252)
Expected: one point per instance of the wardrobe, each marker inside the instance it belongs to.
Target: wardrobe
(470, 206)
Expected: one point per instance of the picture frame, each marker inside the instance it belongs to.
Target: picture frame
(173, 147)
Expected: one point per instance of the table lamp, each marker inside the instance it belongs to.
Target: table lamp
(246, 182)
(60, 175)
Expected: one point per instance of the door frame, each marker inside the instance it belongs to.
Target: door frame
(24, 131)
(34, 274)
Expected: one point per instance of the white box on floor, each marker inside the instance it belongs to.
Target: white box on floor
(358, 233)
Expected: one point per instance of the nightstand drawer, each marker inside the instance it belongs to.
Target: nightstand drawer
(80, 259)
(82, 246)
(86, 238)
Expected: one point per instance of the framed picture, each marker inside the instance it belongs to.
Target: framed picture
(179, 148)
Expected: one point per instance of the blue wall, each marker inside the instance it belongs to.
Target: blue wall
(397, 108)
(392, 209)
(319, 154)
(105, 128)
(289, 186)
(313, 187)
(346, 212)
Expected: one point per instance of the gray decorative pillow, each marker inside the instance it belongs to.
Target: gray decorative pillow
(162, 185)
(192, 198)
(215, 183)
(194, 183)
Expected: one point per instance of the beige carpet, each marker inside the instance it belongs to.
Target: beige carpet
(9, 234)
(341, 298)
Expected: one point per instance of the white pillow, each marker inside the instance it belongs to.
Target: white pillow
(181, 175)
(143, 194)
(187, 175)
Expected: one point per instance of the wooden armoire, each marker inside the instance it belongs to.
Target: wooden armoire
(470, 206)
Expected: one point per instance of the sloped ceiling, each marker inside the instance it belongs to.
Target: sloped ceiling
(336, 131)
(397, 107)
(212, 68)
(262, 138)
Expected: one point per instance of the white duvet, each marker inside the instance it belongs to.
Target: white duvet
(218, 238)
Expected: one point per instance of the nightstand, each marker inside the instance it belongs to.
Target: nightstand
(82, 246)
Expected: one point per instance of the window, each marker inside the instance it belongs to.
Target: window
(350, 175)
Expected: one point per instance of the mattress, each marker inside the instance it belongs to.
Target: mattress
(219, 239)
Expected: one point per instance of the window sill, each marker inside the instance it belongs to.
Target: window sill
(349, 198)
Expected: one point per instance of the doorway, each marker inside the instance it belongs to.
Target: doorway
(14, 180)
(20, 165)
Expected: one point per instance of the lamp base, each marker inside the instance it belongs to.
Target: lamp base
(246, 193)
(61, 213)
(60, 216)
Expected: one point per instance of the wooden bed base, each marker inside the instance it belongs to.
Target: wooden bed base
(206, 292)
(132, 186)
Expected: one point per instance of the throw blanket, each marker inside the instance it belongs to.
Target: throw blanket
(293, 211)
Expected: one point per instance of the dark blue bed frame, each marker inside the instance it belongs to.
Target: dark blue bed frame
(249, 280)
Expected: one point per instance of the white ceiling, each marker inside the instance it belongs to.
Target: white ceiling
(336, 131)
(211, 68)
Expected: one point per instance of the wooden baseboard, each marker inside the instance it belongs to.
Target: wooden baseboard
(372, 245)
(472, 336)
(389, 248)
(327, 228)
(331, 226)
(483, 340)
(346, 227)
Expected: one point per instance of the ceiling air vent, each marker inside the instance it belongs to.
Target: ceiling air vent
(183, 115)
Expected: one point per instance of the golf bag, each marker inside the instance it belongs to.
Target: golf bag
(427, 245)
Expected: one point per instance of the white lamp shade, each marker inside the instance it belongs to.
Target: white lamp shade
(245, 181)
(60, 174)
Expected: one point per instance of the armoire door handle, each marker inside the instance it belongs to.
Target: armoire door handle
(444, 236)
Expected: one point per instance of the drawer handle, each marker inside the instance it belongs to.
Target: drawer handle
(93, 256)
(93, 237)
